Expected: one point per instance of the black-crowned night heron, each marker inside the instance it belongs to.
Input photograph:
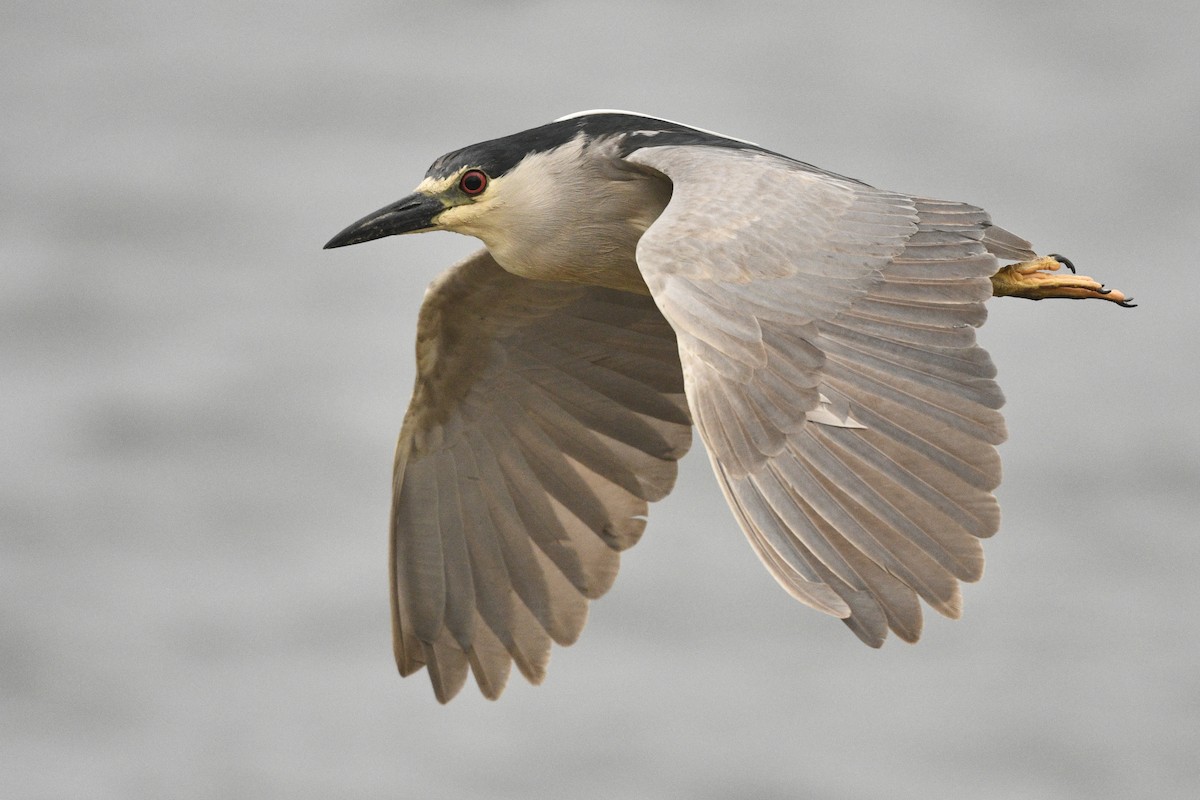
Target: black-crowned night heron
(640, 276)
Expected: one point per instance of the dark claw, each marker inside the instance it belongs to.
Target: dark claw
(1128, 303)
(1066, 262)
(1102, 290)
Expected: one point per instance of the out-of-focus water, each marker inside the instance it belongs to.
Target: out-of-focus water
(199, 407)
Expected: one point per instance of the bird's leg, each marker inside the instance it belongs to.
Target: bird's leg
(1040, 279)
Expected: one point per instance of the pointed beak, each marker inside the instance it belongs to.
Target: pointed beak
(411, 214)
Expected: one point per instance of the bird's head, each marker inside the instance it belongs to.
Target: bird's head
(533, 184)
(484, 188)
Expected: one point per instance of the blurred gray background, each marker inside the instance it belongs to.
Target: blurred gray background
(199, 406)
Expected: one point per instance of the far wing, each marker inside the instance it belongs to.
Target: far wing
(545, 416)
(826, 335)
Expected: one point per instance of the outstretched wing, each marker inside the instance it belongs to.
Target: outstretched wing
(826, 335)
(545, 417)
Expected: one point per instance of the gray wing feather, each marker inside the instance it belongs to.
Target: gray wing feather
(797, 295)
(545, 417)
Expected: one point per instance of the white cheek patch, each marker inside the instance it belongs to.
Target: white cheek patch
(462, 217)
(457, 216)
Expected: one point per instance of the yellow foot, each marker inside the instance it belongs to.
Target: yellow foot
(1040, 279)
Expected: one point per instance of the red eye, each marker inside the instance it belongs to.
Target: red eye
(473, 182)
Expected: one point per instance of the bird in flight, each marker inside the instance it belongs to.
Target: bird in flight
(639, 277)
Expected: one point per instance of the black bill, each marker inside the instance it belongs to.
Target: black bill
(411, 214)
